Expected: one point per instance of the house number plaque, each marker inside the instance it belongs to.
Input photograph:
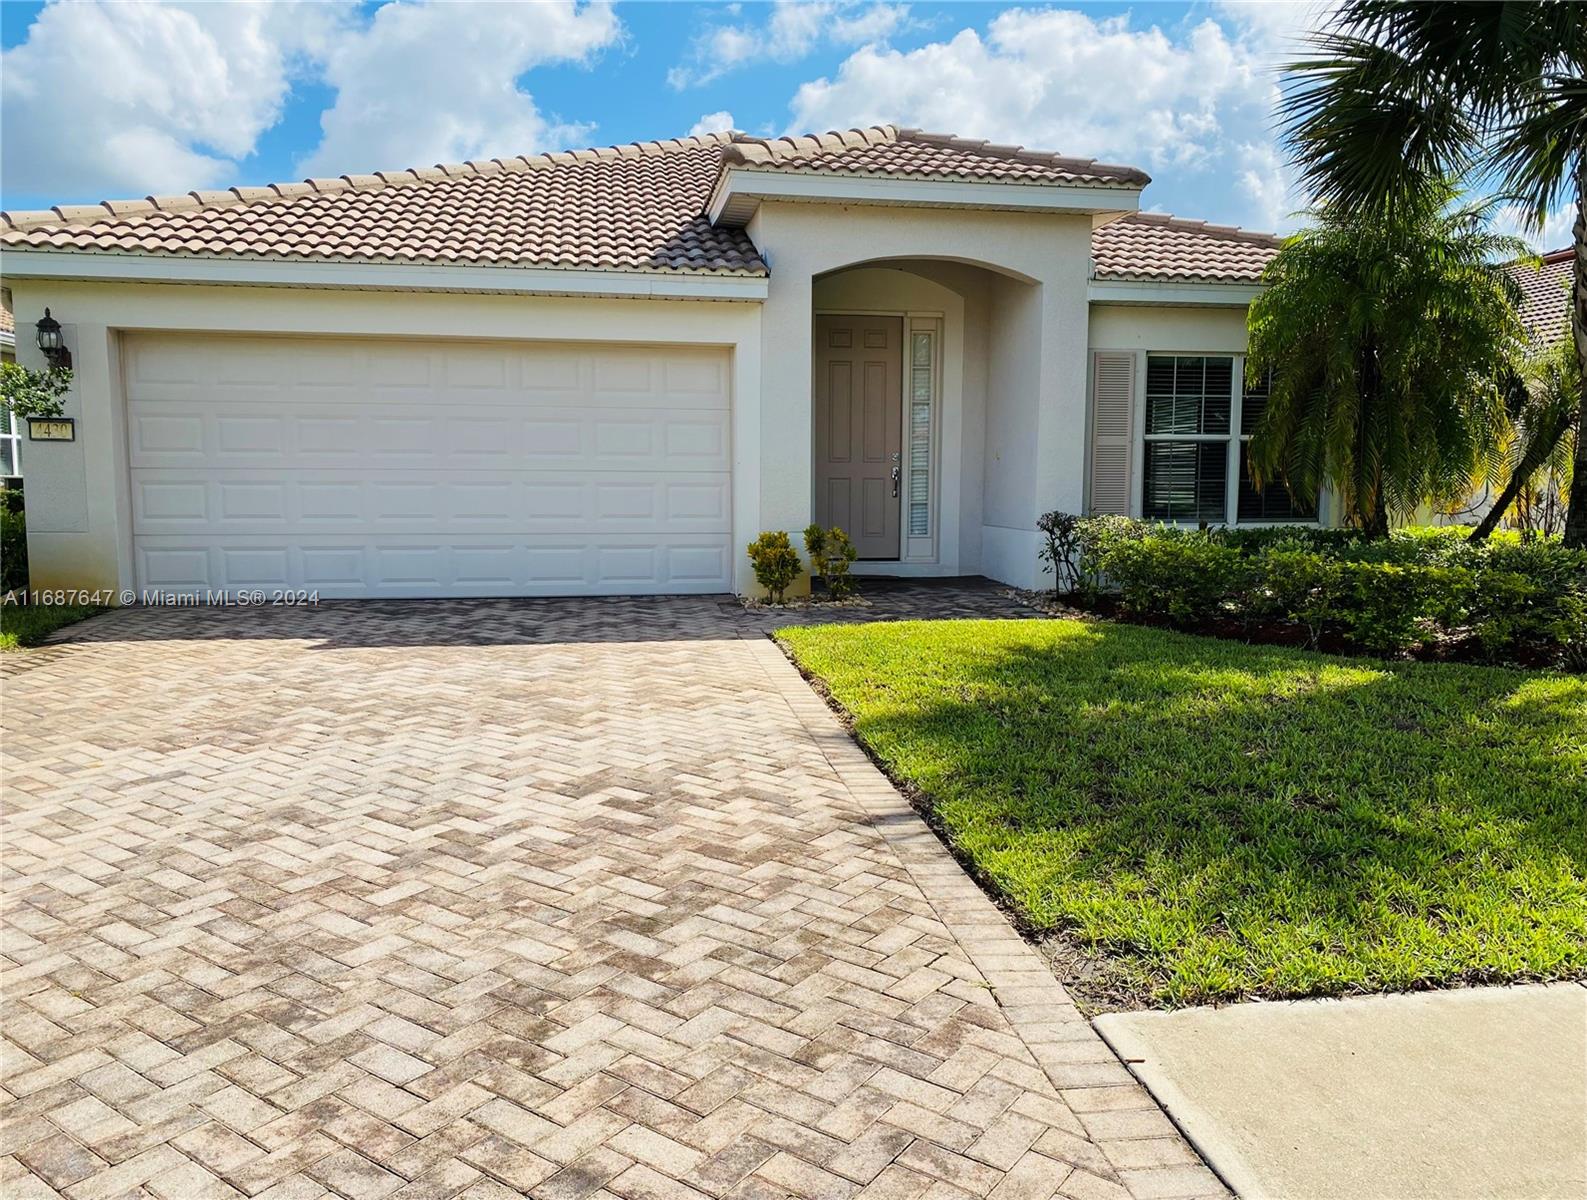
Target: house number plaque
(52, 429)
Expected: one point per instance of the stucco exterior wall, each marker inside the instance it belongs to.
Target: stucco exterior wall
(1176, 329)
(79, 511)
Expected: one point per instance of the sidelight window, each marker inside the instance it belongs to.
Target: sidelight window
(922, 386)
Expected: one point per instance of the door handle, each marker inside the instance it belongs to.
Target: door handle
(896, 476)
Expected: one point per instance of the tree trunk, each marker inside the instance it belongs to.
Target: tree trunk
(1375, 524)
(1372, 507)
(1576, 516)
(1536, 454)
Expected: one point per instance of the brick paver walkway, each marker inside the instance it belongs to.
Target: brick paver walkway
(558, 899)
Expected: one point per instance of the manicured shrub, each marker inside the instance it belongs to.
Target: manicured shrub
(1098, 536)
(776, 563)
(1385, 607)
(1514, 599)
(831, 553)
(1184, 579)
(1060, 551)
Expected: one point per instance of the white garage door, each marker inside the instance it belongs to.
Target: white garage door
(398, 468)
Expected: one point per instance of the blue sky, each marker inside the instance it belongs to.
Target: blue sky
(105, 101)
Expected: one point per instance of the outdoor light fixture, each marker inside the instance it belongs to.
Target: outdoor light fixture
(52, 342)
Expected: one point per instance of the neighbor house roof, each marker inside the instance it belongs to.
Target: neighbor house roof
(1545, 291)
(1160, 248)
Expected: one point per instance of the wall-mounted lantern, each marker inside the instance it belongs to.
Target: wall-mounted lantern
(53, 342)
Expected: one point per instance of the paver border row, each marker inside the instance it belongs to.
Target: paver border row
(1138, 1137)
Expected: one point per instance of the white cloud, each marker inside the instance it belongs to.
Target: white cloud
(131, 98)
(1264, 181)
(1554, 234)
(425, 83)
(1190, 102)
(717, 122)
(794, 29)
(1053, 78)
(124, 99)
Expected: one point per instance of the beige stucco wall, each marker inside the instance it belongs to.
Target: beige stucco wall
(1178, 329)
(79, 511)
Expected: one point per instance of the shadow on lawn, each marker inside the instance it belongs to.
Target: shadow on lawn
(1233, 820)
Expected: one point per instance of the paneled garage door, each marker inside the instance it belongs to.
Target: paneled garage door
(399, 468)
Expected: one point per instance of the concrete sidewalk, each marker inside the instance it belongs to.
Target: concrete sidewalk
(1471, 1093)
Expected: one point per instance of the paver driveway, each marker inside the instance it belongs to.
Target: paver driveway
(552, 898)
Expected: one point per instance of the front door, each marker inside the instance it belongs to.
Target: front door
(859, 406)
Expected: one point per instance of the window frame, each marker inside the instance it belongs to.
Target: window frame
(1235, 439)
(11, 431)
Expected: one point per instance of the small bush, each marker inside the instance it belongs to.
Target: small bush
(831, 553)
(1061, 549)
(1384, 607)
(13, 549)
(776, 563)
(1098, 536)
(1184, 579)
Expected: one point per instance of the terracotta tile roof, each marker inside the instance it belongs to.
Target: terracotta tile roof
(1545, 289)
(887, 150)
(628, 208)
(1156, 247)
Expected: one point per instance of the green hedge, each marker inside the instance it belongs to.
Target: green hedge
(1506, 599)
(13, 546)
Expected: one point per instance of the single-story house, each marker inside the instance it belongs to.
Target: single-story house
(606, 371)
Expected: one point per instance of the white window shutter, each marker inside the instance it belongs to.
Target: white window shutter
(1112, 429)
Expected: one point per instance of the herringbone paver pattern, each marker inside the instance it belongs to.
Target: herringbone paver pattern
(561, 899)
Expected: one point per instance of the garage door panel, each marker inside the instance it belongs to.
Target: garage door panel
(368, 468)
(398, 566)
(395, 437)
(188, 367)
(253, 503)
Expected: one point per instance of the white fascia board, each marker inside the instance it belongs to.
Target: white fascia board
(408, 277)
(740, 184)
(1204, 295)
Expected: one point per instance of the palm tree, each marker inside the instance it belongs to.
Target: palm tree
(1387, 340)
(1541, 404)
(1399, 96)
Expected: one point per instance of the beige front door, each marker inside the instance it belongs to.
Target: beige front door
(859, 406)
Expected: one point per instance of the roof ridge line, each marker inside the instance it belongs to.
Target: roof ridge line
(746, 149)
(1016, 153)
(77, 215)
(1191, 225)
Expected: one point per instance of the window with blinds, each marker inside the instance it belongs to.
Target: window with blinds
(922, 385)
(1272, 502)
(1200, 416)
(1189, 407)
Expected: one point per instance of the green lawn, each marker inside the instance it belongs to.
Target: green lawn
(28, 625)
(1201, 819)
